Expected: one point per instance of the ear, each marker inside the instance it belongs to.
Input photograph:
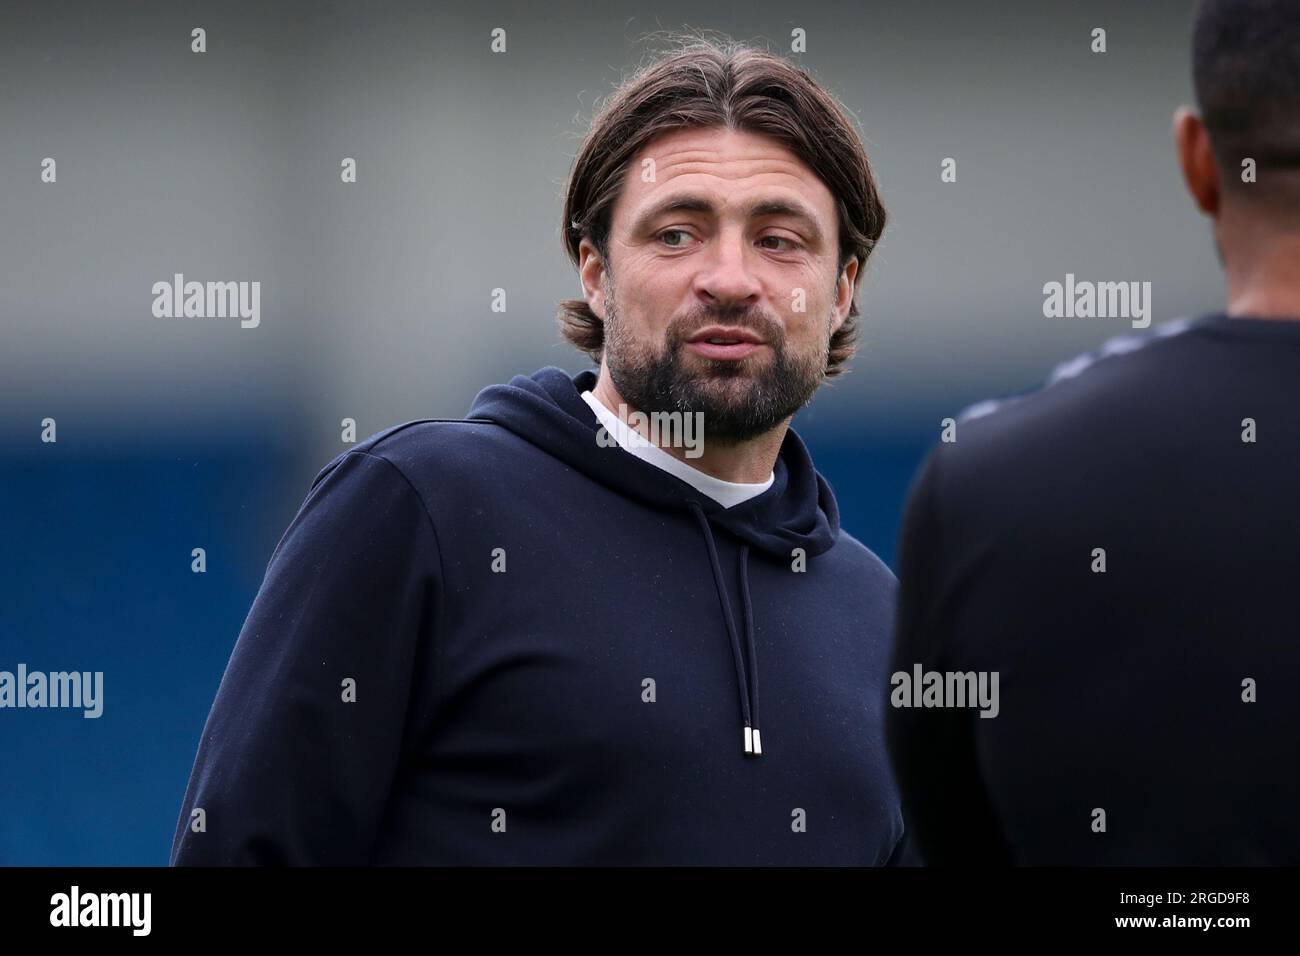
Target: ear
(591, 271)
(844, 294)
(1196, 158)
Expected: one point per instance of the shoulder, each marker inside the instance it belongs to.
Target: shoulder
(431, 447)
(864, 562)
(1119, 362)
(1100, 411)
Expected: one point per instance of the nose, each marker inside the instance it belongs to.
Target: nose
(727, 278)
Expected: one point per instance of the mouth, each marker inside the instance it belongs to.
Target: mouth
(724, 343)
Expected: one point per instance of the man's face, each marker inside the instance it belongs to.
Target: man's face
(726, 236)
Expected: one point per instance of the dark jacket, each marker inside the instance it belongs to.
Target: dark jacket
(553, 649)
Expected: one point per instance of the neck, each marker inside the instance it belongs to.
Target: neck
(749, 462)
(1264, 279)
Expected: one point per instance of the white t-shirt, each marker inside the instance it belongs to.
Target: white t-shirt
(726, 493)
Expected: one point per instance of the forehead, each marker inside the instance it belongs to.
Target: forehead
(734, 166)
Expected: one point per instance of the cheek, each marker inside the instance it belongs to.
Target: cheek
(648, 287)
(816, 296)
(808, 327)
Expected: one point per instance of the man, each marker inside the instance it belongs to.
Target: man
(1119, 549)
(532, 637)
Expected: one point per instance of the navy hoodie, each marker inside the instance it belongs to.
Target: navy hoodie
(496, 641)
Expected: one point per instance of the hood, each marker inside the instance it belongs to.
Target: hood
(797, 511)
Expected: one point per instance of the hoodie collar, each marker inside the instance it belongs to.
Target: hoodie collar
(546, 409)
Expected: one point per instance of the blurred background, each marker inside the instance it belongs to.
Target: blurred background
(180, 433)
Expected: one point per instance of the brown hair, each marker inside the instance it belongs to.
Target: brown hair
(724, 83)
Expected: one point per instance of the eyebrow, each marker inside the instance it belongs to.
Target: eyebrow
(692, 202)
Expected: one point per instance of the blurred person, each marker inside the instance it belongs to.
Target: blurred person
(1119, 549)
(536, 636)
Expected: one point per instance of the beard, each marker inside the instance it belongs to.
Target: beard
(738, 399)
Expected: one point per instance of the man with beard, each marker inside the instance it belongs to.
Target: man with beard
(506, 640)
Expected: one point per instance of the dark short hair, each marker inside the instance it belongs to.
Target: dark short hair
(1246, 71)
(705, 83)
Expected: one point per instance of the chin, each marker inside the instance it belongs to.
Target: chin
(730, 368)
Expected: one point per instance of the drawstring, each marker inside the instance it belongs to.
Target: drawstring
(748, 684)
(749, 636)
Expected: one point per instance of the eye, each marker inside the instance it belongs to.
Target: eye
(669, 232)
(792, 243)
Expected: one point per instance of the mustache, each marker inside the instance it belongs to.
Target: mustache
(746, 318)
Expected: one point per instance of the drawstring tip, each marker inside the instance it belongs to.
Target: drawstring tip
(753, 746)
